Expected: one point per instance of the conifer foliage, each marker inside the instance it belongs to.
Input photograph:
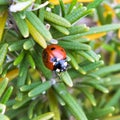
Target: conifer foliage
(89, 31)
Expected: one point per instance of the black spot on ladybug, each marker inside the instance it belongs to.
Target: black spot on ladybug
(53, 48)
(62, 50)
(45, 55)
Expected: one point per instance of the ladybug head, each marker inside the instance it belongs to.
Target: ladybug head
(60, 65)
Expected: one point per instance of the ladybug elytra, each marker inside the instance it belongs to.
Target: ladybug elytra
(54, 58)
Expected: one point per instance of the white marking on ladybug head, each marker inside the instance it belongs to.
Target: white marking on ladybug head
(54, 63)
(57, 70)
(58, 59)
(65, 63)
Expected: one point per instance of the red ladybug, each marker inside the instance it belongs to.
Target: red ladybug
(54, 58)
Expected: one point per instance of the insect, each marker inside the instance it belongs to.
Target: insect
(54, 58)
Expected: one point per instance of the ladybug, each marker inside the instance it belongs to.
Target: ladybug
(54, 58)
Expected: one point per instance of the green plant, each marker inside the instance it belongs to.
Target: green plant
(88, 90)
